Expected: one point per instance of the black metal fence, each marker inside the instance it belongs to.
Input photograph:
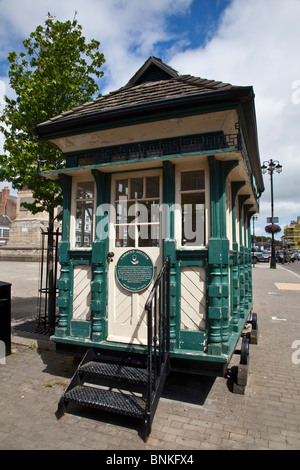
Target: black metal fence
(159, 148)
(48, 279)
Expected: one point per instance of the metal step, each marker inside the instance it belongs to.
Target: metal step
(116, 372)
(107, 400)
(115, 386)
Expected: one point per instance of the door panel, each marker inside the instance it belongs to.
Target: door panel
(135, 224)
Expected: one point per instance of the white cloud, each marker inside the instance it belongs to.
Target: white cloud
(129, 31)
(257, 44)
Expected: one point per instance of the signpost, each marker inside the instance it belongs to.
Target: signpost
(134, 270)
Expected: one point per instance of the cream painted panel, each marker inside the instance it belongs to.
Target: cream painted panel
(210, 122)
(129, 321)
(193, 300)
(82, 292)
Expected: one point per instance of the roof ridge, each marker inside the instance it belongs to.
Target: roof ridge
(199, 82)
(204, 81)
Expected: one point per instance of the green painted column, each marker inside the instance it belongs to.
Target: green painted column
(169, 249)
(235, 187)
(99, 257)
(242, 261)
(248, 264)
(64, 283)
(218, 259)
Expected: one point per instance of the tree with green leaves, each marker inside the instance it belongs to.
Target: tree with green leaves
(56, 71)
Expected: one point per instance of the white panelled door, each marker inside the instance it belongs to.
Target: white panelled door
(135, 224)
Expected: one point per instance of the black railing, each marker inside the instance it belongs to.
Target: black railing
(157, 148)
(158, 354)
(48, 278)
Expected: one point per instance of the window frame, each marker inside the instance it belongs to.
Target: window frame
(143, 174)
(178, 214)
(73, 221)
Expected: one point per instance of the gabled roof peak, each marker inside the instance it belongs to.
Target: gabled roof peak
(153, 70)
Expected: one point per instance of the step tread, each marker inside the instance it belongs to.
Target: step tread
(107, 400)
(119, 372)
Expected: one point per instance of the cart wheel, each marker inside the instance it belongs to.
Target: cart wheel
(244, 351)
(254, 321)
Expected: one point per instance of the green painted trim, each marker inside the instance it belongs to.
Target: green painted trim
(218, 293)
(65, 282)
(247, 140)
(152, 142)
(65, 182)
(192, 340)
(192, 257)
(78, 257)
(176, 353)
(99, 304)
(241, 201)
(80, 329)
(169, 249)
(103, 183)
(218, 173)
(162, 159)
(235, 187)
(169, 195)
(247, 208)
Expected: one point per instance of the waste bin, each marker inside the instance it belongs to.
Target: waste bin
(5, 315)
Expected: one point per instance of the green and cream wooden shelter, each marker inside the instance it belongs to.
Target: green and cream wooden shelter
(166, 166)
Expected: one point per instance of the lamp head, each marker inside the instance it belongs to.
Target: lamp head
(264, 169)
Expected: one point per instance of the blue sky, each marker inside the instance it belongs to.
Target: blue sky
(237, 41)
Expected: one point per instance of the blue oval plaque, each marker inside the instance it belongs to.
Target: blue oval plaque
(134, 270)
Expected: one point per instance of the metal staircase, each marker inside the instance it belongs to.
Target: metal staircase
(123, 383)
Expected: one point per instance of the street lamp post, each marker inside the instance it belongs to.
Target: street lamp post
(271, 166)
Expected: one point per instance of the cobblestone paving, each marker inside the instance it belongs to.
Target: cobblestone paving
(194, 413)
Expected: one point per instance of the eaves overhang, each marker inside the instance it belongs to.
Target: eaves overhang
(69, 124)
(233, 96)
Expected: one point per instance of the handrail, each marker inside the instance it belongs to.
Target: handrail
(158, 346)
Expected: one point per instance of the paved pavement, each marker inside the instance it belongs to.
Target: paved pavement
(194, 413)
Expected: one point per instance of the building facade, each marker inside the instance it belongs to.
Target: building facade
(167, 166)
(8, 204)
(291, 237)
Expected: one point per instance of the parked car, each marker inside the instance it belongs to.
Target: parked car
(282, 259)
(260, 256)
(266, 256)
(294, 254)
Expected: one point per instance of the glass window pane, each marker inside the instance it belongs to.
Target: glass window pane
(193, 219)
(85, 190)
(192, 180)
(121, 188)
(152, 186)
(148, 235)
(152, 208)
(125, 236)
(84, 222)
(136, 191)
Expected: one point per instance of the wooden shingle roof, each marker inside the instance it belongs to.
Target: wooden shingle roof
(147, 86)
(156, 91)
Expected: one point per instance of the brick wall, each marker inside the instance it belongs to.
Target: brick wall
(7, 205)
